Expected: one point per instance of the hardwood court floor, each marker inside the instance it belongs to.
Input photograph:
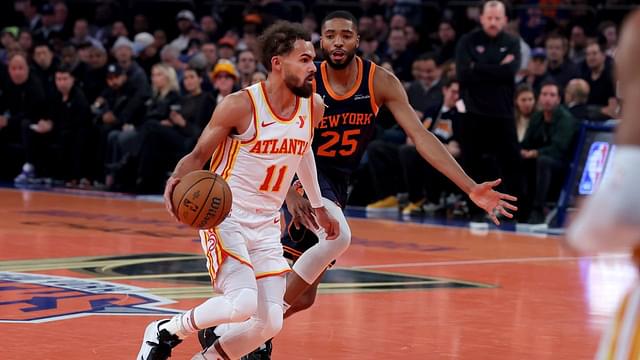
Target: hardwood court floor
(80, 277)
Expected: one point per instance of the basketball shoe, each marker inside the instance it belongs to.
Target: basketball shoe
(157, 344)
(208, 336)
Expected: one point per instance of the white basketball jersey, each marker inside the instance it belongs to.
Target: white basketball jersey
(259, 164)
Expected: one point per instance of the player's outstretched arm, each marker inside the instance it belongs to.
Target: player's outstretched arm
(233, 112)
(393, 95)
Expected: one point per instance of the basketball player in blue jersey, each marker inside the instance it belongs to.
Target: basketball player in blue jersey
(353, 90)
(610, 219)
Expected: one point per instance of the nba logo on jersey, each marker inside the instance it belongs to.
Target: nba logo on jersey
(594, 168)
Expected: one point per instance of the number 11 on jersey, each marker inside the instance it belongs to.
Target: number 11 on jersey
(267, 180)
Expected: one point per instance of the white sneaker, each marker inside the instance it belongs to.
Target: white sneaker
(157, 344)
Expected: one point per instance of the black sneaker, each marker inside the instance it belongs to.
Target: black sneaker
(157, 344)
(261, 353)
(207, 337)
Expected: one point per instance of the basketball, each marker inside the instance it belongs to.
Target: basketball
(201, 199)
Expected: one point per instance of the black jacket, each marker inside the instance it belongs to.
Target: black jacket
(486, 87)
(72, 114)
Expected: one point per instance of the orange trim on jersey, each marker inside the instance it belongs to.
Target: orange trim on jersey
(291, 250)
(616, 326)
(212, 274)
(272, 273)
(327, 84)
(313, 123)
(231, 253)
(217, 157)
(635, 343)
(372, 93)
(231, 161)
(255, 118)
(263, 91)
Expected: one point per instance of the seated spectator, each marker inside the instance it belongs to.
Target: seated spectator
(8, 40)
(369, 46)
(164, 145)
(559, 68)
(123, 51)
(24, 125)
(546, 148)
(70, 58)
(227, 48)
(210, 52)
(425, 185)
(185, 20)
(425, 91)
(156, 126)
(44, 67)
(71, 117)
(597, 70)
(81, 34)
(399, 55)
(576, 96)
(119, 109)
(577, 44)
(246, 67)
(25, 40)
(525, 104)
(537, 73)
(146, 52)
(609, 33)
(224, 77)
(446, 47)
(96, 78)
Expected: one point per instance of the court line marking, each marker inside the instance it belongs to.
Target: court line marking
(491, 261)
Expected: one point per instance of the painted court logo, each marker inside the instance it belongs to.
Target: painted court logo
(42, 298)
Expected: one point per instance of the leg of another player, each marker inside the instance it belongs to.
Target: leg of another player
(314, 261)
(305, 300)
(240, 339)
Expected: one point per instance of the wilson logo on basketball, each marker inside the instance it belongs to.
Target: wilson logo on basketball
(42, 298)
(213, 210)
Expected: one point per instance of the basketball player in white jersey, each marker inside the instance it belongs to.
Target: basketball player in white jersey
(610, 219)
(261, 137)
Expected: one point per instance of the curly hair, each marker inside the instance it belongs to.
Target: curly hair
(278, 40)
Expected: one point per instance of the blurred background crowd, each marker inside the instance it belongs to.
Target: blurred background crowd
(109, 95)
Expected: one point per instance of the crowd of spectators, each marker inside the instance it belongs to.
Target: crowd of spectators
(112, 100)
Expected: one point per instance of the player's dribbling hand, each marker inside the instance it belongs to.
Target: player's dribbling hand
(168, 191)
(328, 223)
(300, 209)
(491, 201)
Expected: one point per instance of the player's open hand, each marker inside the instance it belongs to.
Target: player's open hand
(301, 211)
(328, 223)
(168, 192)
(491, 201)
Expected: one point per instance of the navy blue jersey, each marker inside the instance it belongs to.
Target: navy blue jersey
(347, 126)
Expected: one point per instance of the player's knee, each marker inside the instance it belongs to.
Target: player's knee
(342, 242)
(244, 304)
(272, 324)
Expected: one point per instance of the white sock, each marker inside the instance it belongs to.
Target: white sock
(180, 325)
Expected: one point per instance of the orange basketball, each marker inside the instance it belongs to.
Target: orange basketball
(201, 199)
